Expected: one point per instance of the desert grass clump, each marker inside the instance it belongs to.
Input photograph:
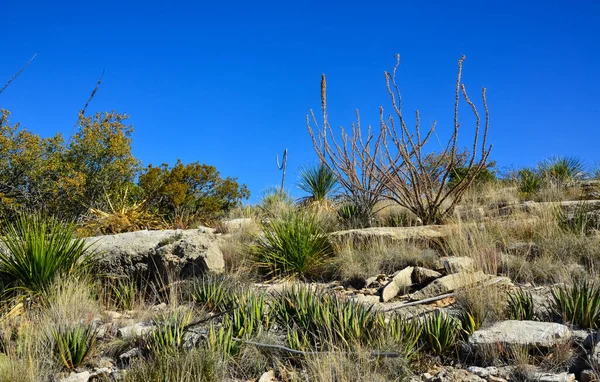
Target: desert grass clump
(198, 365)
(40, 249)
(294, 246)
(275, 203)
(124, 294)
(530, 182)
(73, 344)
(578, 304)
(479, 304)
(440, 332)
(520, 305)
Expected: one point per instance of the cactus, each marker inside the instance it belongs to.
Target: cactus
(282, 167)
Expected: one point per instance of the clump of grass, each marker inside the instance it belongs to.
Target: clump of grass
(478, 305)
(275, 203)
(406, 333)
(250, 316)
(39, 249)
(74, 344)
(578, 304)
(220, 339)
(530, 182)
(168, 336)
(294, 246)
(198, 365)
(440, 332)
(124, 294)
(520, 305)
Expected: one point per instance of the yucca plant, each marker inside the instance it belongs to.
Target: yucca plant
(319, 182)
(169, 333)
(221, 339)
(562, 169)
(73, 344)
(582, 221)
(39, 249)
(215, 293)
(520, 305)
(294, 246)
(440, 332)
(578, 304)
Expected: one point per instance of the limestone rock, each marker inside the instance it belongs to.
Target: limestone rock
(448, 284)
(458, 264)
(399, 284)
(84, 376)
(153, 254)
(269, 376)
(521, 333)
(389, 234)
(135, 330)
(424, 275)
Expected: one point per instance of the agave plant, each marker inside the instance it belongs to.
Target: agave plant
(440, 332)
(73, 344)
(215, 293)
(40, 249)
(170, 330)
(578, 304)
(319, 182)
(520, 305)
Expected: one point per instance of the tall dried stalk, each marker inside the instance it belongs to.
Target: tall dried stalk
(353, 160)
(417, 180)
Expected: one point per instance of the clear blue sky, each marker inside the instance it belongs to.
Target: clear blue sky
(229, 83)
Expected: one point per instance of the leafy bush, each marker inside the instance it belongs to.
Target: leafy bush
(483, 177)
(39, 249)
(295, 245)
(319, 182)
(578, 304)
(190, 193)
(520, 305)
(74, 344)
(440, 332)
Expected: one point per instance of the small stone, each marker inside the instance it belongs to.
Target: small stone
(127, 356)
(483, 372)
(551, 377)
(269, 376)
(84, 376)
(458, 264)
(400, 283)
(588, 375)
(135, 330)
(424, 275)
(370, 281)
(493, 378)
(159, 308)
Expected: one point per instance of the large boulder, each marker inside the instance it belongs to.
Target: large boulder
(448, 284)
(152, 254)
(531, 334)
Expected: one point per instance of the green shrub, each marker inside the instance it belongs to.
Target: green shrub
(530, 182)
(440, 332)
(578, 304)
(561, 169)
(169, 333)
(221, 340)
(581, 221)
(73, 344)
(295, 245)
(520, 305)
(406, 333)
(250, 316)
(483, 177)
(39, 249)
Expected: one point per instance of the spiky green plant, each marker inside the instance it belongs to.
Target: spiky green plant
(168, 335)
(319, 182)
(294, 246)
(520, 305)
(321, 317)
(250, 316)
(578, 304)
(221, 339)
(440, 332)
(73, 344)
(530, 182)
(405, 332)
(40, 249)
(215, 293)
(581, 221)
(563, 169)
(124, 294)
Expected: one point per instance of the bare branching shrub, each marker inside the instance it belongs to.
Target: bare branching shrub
(394, 163)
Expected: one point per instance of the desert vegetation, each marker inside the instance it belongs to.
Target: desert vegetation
(401, 262)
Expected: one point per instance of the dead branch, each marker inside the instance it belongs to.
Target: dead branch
(19, 72)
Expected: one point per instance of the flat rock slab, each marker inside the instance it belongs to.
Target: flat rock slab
(448, 284)
(389, 234)
(522, 333)
(399, 284)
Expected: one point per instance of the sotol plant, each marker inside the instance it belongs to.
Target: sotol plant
(520, 305)
(73, 344)
(440, 332)
(578, 304)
